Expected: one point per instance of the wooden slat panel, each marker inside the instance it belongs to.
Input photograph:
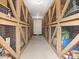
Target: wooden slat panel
(71, 44)
(7, 47)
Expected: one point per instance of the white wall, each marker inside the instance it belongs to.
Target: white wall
(37, 27)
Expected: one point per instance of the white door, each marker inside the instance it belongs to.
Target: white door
(37, 27)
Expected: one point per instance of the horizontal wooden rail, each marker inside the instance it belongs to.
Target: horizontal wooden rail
(71, 19)
(6, 17)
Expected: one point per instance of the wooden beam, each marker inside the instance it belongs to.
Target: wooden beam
(59, 42)
(8, 20)
(70, 18)
(18, 10)
(4, 2)
(18, 7)
(65, 7)
(71, 23)
(24, 14)
(53, 1)
(7, 47)
(12, 8)
(71, 44)
(53, 10)
(58, 9)
(6, 17)
(5, 22)
(27, 13)
(58, 17)
(49, 15)
(22, 33)
(27, 36)
(50, 34)
(16, 15)
(17, 42)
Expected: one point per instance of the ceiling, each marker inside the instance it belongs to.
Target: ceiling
(38, 8)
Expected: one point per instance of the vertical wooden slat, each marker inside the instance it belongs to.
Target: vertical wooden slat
(58, 17)
(59, 39)
(18, 9)
(17, 42)
(26, 14)
(27, 25)
(58, 9)
(49, 15)
(17, 16)
(53, 10)
(50, 35)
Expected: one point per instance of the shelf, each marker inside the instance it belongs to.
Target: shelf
(66, 22)
(8, 33)
(6, 20)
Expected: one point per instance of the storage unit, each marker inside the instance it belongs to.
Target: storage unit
(60, 27)
(14, 27)
(63, 17)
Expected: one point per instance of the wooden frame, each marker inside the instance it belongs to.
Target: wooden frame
(72, 20)
(16, 21)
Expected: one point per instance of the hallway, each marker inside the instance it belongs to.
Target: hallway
(38, 48)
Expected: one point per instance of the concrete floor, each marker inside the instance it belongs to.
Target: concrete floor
(38, 48)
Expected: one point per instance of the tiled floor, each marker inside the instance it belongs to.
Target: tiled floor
(38, 48)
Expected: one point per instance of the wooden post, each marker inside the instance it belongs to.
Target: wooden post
(17, 42)
(27, 25)
(50, 39)
(49, 15)
(59, 42)
(58, 17)
(18, 8)
(58, 9)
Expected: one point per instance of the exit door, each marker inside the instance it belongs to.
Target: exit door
(37, 27)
